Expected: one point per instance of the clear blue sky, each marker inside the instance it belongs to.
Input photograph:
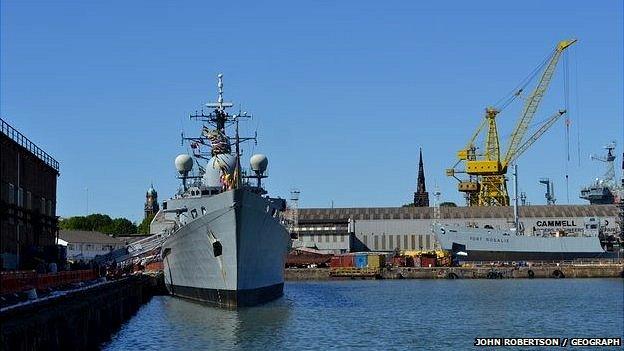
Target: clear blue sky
(343, 92)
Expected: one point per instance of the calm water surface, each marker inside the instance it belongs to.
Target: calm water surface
(390, 314)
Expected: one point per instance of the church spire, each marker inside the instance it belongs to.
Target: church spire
(421, 196)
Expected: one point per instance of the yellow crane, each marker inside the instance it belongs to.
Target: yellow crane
(486, 184)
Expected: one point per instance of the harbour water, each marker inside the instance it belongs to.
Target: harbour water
(383, 314)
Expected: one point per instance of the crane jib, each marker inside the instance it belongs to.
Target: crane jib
(486, 185)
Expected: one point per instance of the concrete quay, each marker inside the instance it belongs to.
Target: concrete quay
(76, 320)
(613, 270)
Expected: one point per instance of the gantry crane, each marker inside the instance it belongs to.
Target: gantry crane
(486, 184)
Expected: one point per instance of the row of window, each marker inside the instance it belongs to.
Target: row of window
(303, 229)
(14, 195)
(334, 238)
(90, 247)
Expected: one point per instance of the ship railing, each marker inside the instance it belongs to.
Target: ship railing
(23, 141)
(577, 262)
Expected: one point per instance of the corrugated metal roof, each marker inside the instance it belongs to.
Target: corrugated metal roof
(84, 236)
(339, 214)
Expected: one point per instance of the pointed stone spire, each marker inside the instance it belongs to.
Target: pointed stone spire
(421, 196)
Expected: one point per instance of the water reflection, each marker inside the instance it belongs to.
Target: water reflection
(417, 314)
(174, 323)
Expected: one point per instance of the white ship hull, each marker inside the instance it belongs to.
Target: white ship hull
(480, 244)
(249, 270)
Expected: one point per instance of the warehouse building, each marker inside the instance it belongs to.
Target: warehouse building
(336, 230)
(28, 222)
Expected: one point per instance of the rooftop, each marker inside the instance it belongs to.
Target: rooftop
(85, 236)
(363, 213)
(24, 142)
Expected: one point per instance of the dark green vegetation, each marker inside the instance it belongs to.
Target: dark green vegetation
(101, 223)
(448, 204)
(442, 204)
(144, 226)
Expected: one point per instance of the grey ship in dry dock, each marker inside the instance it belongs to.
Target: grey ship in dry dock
(226, 244)
(516, 244)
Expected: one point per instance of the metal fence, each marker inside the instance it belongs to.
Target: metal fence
(23, 141)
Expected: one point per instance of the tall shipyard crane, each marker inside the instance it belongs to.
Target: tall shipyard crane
(486, 167)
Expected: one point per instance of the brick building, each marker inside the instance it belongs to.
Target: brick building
(28, 222)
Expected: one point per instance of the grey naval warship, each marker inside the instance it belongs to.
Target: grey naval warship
(515, 244)
(226, 241)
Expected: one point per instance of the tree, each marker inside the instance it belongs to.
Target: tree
(448, 204)
(119, 226)
(99, 222)
(144, 227)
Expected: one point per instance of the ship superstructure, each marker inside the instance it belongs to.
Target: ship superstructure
(604, 190)
(227, 243)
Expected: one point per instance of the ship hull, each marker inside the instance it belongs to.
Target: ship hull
(230, 253)
(480, 244)
(475, 255)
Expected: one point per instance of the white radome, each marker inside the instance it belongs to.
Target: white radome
(184, 163)
(214, 167)
(259, 163)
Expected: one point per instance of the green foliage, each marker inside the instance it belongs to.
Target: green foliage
(99, 222)
(411, 204)
(144, 227)
(448, 204)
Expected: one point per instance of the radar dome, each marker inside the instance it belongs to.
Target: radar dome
(184, 163)
(259, 163)
(215, 166)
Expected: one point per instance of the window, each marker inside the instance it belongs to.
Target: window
(11, 194)
(49, 208)
(20, 197)
(43, 205)
(29, 200)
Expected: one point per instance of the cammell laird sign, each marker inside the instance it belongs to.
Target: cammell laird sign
(556, 223)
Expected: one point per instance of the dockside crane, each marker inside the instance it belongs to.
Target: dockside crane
(486, 184)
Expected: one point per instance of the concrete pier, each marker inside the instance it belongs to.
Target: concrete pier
(482, 272)
(78, 320)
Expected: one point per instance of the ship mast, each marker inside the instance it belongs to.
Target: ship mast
(515, 207)
(217, 139)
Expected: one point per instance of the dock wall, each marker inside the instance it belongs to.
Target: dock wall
(78, 320)
(551, 271)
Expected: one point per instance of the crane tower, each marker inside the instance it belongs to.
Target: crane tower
(487, 166)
